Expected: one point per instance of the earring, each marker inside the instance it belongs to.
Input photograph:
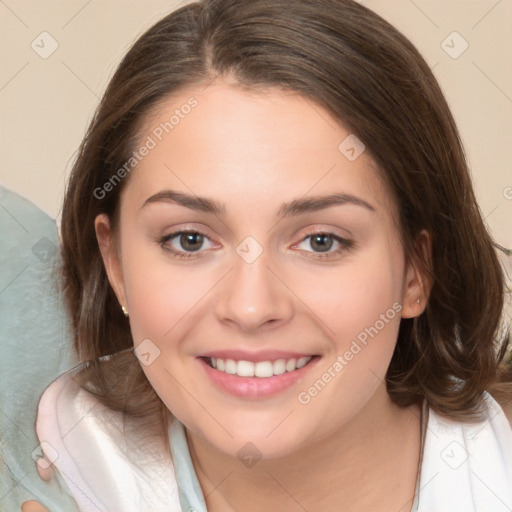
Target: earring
(418, 300)
(125, 311)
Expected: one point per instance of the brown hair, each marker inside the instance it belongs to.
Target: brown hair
(347, 59)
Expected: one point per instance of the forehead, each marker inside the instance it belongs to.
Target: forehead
(249, 146)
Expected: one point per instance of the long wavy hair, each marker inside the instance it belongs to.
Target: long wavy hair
(347, 59)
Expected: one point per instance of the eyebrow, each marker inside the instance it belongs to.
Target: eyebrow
(292, 208)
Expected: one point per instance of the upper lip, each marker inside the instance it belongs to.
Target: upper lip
(262, 355)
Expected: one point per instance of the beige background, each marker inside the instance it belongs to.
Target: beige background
(46, 104)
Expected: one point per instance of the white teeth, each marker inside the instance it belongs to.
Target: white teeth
(279, 367)
(245, 369)
(302, 361)
(230, 366)
(260, 369)
(264, 369)
(290, 365)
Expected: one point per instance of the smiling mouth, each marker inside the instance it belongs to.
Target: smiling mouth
(260, 369)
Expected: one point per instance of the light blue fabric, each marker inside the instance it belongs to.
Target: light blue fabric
(34, 348)
(191, 495)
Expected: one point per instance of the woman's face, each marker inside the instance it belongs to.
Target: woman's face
(292, 257)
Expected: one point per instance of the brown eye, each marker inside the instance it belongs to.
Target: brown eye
(190, 241)
(321, 244)
(183, 244)
(322, 241)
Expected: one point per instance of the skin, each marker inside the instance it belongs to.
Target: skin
(252, 151)
(33, 506)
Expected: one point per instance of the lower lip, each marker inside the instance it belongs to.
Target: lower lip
(256, 387)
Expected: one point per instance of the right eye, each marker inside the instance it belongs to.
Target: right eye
(189, 240)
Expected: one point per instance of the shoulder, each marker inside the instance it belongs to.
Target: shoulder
(467, 466)
(105, 464)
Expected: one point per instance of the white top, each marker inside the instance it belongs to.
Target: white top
(465, 467)
(104, 470)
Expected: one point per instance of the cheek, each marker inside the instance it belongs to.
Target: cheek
(160, 292)
(359, 306)
(163, 297)
(366, 289)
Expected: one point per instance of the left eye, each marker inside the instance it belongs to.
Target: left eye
(322, 243)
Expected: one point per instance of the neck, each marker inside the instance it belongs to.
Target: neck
(371, 463)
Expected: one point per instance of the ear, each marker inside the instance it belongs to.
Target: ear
(110, 255)
(417, 284)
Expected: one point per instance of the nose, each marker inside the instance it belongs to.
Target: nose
(253, 296)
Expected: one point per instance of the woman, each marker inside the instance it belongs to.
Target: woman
(278, 278)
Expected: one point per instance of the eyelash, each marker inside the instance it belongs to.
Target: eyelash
(345, 244)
